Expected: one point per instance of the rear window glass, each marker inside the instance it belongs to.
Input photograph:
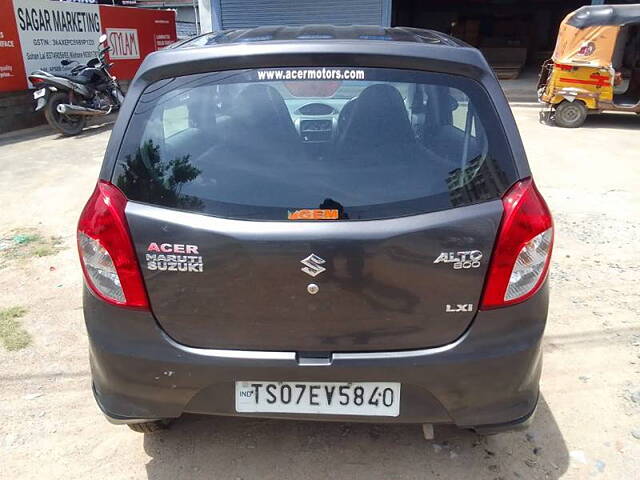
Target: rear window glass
(303, 144)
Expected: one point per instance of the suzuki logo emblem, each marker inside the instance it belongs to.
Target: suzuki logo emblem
(313, 265)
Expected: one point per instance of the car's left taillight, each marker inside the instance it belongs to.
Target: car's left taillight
(107, 255)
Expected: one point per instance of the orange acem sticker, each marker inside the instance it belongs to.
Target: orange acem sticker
(313, 214)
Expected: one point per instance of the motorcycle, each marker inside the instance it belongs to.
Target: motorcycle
(89, 90)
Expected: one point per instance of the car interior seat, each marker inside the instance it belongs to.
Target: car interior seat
(376, 119)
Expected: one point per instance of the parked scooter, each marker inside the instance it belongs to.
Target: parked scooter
(89, 90)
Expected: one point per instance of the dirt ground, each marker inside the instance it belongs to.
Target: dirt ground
(588, 422)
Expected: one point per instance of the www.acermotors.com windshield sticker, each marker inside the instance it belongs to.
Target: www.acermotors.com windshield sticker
(461, 260)
(173, 257)
(310, 74)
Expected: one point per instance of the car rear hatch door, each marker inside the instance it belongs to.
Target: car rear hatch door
(363, 226)
(390, 284)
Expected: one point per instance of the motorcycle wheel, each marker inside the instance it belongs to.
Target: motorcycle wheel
(65, 124)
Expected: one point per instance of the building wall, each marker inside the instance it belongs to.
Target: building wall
(187, 14)
(252, 13)
(531, 25)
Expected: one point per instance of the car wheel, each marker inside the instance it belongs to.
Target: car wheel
(149, 427)
(65, 124)
(570, 114)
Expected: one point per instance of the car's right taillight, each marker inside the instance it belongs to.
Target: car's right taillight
(107, 255)
(522, 252)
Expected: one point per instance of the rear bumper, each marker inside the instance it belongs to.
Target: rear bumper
(487, 379)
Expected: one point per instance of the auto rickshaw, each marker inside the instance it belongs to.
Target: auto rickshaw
(595, 66)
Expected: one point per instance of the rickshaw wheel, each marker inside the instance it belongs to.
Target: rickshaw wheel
(570, 114)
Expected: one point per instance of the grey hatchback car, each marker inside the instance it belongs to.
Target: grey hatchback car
(326, 223)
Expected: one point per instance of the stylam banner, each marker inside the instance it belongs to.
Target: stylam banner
(42, 33)
(124, 43)
(133, 33)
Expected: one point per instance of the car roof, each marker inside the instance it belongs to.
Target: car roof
(280, 33)
(315, 46)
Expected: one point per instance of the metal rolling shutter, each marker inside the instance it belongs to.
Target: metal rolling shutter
(253, 13)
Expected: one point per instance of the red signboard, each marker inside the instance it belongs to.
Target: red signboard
(133, 33)
(11, 65)
(38, 34)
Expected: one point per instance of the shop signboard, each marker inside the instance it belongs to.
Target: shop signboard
(39, 34)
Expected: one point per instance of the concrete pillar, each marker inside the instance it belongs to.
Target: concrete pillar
(209, 11)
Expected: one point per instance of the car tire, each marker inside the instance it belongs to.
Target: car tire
(66, 124)
(149, 427)
(570, 114)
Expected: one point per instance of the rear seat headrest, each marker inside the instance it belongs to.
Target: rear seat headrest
(378, 117)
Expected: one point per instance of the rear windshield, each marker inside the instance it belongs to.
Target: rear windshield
(314, 144)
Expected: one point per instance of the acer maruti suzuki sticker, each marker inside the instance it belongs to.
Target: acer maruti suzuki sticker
(173, 257)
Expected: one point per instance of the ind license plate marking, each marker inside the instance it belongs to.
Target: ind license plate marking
(364, 398)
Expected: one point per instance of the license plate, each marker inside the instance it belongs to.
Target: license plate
(39, 93)
(364, 398)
